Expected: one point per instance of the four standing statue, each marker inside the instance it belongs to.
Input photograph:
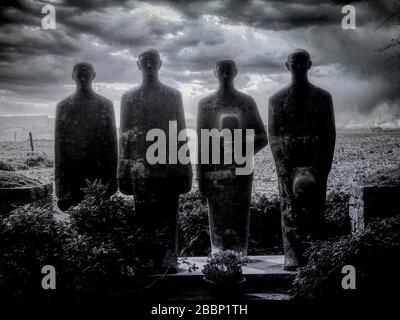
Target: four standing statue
(228, 194)
(301, 128)
(156, 187)
(85, 140)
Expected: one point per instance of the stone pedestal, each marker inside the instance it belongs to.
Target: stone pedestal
(265, 281)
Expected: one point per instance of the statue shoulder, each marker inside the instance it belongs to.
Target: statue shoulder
(167, 90)
(321, 92)
(131, 94)
(208, 102)
(245, 98)
(279, 95)
(104, 101)
(64, 104)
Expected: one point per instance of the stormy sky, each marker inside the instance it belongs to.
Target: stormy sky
(36, 64)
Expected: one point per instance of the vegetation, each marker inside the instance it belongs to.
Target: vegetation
(12, 179)
(40, 160)
(30, 239)
(374, 254)
(225, 267)
(265, 227)
(94, 253)
(194, 234)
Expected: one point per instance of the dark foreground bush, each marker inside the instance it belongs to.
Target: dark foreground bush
(38, 160)
(107, 249)
(375, 255)
(30, 239)
(99, 250)
(265, 226)
(6, 166)
(337, 220)
(265, 223)
(194, 235)
(96, 253)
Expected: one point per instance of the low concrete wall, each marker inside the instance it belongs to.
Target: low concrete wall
(372, 201)
(11, 198)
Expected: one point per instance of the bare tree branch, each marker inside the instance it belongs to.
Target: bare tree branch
(386, 20)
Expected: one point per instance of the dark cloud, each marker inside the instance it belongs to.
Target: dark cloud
(191, 36)
(276, 14)
(94, 5)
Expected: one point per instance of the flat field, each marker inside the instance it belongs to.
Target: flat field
(357, 155)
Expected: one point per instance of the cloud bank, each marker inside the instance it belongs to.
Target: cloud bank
(36, 64)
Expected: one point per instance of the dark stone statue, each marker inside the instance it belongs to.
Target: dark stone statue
(228, 194)
(156, 187)
(85, 140)
(301, 129)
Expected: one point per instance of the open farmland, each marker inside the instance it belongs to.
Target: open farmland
(17, 155)
(356, 156)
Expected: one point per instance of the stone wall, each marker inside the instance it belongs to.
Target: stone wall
(374, 200)
(11, 198)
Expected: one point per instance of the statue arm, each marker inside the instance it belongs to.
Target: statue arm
(256, 123)
(184, 170)
(201, 169)
(111, 156)
(276, 139)
(59, 150)
(180, 118)
(124, 163)
(328, 135)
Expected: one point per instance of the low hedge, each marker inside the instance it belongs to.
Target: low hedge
(374, 254)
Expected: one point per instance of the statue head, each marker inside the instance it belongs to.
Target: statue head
(149, 62)
(225, 71)
(298, 62)
(83, 73)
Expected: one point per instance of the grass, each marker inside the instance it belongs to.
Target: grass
(357, 155)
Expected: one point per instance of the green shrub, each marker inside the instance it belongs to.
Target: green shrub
(30, 239)
(225, 266)
(12, 179)
(265, 223)
(107, 248)
(337, 220)
(374, 254)
(265, 226)
(97, 252)
(194, 234)
(5, 166)
(40, 160)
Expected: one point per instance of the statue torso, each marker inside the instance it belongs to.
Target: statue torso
(225, 112)
(297, 122)
(82, 121)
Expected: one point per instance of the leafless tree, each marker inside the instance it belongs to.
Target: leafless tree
(393, 47)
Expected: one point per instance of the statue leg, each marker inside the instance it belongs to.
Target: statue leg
(69, 192)
(317, 211)
(229, 217)
(293, 241)
(157, 216)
